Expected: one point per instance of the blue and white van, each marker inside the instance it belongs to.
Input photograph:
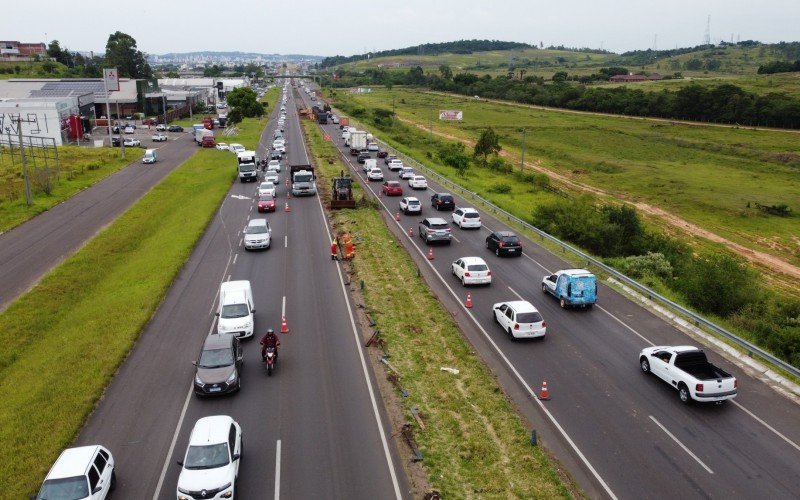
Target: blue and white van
(572, 287)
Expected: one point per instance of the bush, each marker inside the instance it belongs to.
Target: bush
(720, 283)
(497, 164)
(501, 188)
(640, 266)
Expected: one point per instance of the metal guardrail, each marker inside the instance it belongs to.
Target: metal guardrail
(752, 350)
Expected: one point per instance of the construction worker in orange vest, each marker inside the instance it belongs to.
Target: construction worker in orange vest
(334, 250)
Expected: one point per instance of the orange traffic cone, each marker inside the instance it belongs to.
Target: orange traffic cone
(286, 208)
(397, 216)
(468, 305)
(430, 254)
(544, 394)
(411, 231)
(289, 195)
(380, 193)
(284, 326)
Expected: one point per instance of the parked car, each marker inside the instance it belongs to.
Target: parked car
(686, 368)
(392, 188)
(520, 319)
(418, 182)
(161, 127)
(149, 121)
(115, 129)
(115, 141)
(443, 201)
(174, 128)
(504, 243)
(266, 203)
(472, 271)
(130, 130)
(85, 472)
(211, 462)
(466, 218)
(410, 205)
(434, 229)
(376, 174)
(222, 146)
(218, 368)
(257, 234)
(130, 142)
(159, 138)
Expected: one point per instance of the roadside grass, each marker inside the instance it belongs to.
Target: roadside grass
(30, 69)
(80, 169)
(64, 340)
(475, 445)
(710, 176)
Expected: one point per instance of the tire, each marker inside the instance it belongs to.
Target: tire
(684, 395)
(269, 370)
(645, 365)
(511, 334)
(497, 251)
(562, 303)
(463, 282)
(487, 243)
(113, 480)
(544, 288)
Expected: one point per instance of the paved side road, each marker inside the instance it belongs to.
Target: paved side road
(30, 250)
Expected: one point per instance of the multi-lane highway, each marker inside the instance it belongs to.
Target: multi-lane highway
(621, 433)
(30, 250)
(316, 427)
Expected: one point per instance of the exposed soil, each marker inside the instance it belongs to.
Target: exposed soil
(764, 259)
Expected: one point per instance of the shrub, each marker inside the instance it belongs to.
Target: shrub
(501, 188)
(720, 283)
(650, 264)
(498, 164)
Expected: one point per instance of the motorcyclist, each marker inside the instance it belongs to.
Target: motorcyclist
(269, 340)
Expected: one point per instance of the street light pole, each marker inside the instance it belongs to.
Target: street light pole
(28, 197)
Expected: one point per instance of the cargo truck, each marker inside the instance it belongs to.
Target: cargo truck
(200, 136)
(247, 166)
(304, 181)
(358, 141)
(208, 123)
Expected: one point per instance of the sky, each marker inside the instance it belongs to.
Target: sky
(353, 26)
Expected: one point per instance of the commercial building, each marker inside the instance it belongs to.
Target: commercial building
(47, 118)
(21, 51)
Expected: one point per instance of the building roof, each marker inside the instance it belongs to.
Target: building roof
(66, 87)
(186, 83)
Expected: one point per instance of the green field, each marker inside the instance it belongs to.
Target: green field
(475, 445)
(64, 340)
(30, 69)
(710, 176)
(80, 168)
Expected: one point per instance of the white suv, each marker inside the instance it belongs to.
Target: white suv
(84, 472)
(467, 218)
(211, 464)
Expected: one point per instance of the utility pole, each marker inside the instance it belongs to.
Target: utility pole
(121, 136)
(28, 197)
(392, 108)
(430, 127)
(522, 163)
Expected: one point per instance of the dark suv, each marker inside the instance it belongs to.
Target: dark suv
(363, 156)
(219, 367)
(443, 201)
(504, 242)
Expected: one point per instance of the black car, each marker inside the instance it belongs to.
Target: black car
(115, 142)
(275, 154)
(383, 153)
(504, 243)
(174, 128)
(363, 156)
(443, 201)
(219, 366)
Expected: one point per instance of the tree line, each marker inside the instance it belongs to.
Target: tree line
(779, 67)
(723, 103)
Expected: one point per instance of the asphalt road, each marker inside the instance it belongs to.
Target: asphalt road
(320, 404)
(620, 433)
(30, 250)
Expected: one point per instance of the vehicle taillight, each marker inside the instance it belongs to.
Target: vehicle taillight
(698, 387)
(449, 230)
(467, 274)
(544, 324)
(501, 244)
(488, 273)
(516, 326)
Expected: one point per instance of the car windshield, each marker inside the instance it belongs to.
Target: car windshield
(247, 167)
(477, 267)
(529, 317)
(206, 457)
(257, 229)
(265, 197)
(215, 358)
(302, 178)
(234, 311)
(68, 488)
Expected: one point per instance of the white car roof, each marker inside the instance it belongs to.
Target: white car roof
(274, 162)
(257, 222)
(418, 177)
(72, 462)
(411, 198)
(211, 430)
(473, 260)
(520, 306)
(467, 209)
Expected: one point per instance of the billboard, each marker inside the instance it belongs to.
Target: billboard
(451, 115)
(111, 78)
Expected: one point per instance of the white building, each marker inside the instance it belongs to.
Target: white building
(47, 117)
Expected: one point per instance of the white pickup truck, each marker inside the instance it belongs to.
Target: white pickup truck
(687, 369)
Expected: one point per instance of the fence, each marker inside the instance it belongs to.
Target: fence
(752, 350)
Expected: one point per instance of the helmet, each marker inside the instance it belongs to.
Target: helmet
(270, 331)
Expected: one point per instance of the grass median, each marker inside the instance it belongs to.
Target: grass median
(475, 444)
(63, 341)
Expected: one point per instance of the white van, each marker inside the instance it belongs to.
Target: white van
(369, 164)
(236, 308)
(150, 156)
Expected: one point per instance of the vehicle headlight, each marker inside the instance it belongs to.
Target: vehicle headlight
(198, 381)
(223, 328)
(232, 377)
(248, 324)
(228, 493)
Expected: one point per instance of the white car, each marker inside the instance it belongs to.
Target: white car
(130, 142)
(161, 127)
(346, 135)
(129, 130)
(257, 234)
(86, 472)
(466, 218)
(274, 165)
(410, 205)
(279, 146)
(159, 138)
(272, 176)
(406, 173)
(417, 182)
(395, 165)
(472, 271)
(373, 146)
(236, 148)
(376, 174)
(222, 146)
(266, 188)
(520, 319)
(211, 463)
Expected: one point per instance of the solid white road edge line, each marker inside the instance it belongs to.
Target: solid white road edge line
(687, 450)
(371, 391)
(278, 470)
(283, 307)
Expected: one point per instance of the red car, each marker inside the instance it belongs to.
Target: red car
(392, 188)
(266, 203)
(149, 121)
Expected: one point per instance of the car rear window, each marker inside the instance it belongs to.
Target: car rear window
(438, 225)
(471, 215)
(511, 239)
(446, 199)
(529, 317)
(477, 267)
(413, 202)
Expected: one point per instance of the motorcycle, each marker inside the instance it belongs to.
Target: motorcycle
(270, 357)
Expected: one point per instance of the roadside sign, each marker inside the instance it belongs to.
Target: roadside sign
(111, 78)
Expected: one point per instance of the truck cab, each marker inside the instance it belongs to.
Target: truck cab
(247, 166)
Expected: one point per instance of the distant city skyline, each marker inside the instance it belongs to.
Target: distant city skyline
(356, 27)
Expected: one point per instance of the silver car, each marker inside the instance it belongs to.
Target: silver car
(435, 229)
(257, 234)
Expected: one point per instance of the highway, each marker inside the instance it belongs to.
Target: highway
(620, 433)
(30, 250)
(316, 428)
